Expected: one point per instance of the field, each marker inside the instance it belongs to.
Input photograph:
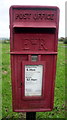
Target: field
(59, 102)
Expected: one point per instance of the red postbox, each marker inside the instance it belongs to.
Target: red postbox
(33, 49)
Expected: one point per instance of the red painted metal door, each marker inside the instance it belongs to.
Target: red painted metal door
(33, 49)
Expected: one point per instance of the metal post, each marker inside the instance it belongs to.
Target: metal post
(31, 116)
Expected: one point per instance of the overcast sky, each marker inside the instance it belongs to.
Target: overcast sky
(4, 13)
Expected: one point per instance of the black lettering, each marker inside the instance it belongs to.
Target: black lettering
(35, 17)
(31, 69)
(43, 16)
(52, 17)
(23, 16)
(28, 79)
(38, 16)
(48, 17)
(17, 16)
(28, 16)
(33, 79)
(20, 16)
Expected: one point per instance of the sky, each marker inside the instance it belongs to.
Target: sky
(4, 13)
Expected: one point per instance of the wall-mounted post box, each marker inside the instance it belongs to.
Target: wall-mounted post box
(33, 49)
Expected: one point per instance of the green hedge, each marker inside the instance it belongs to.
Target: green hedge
(61, 39)
(65, 41)
(6, 41)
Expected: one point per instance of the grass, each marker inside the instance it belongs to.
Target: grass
(59, 102)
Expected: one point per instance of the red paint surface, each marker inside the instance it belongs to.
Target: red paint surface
(33, 30)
